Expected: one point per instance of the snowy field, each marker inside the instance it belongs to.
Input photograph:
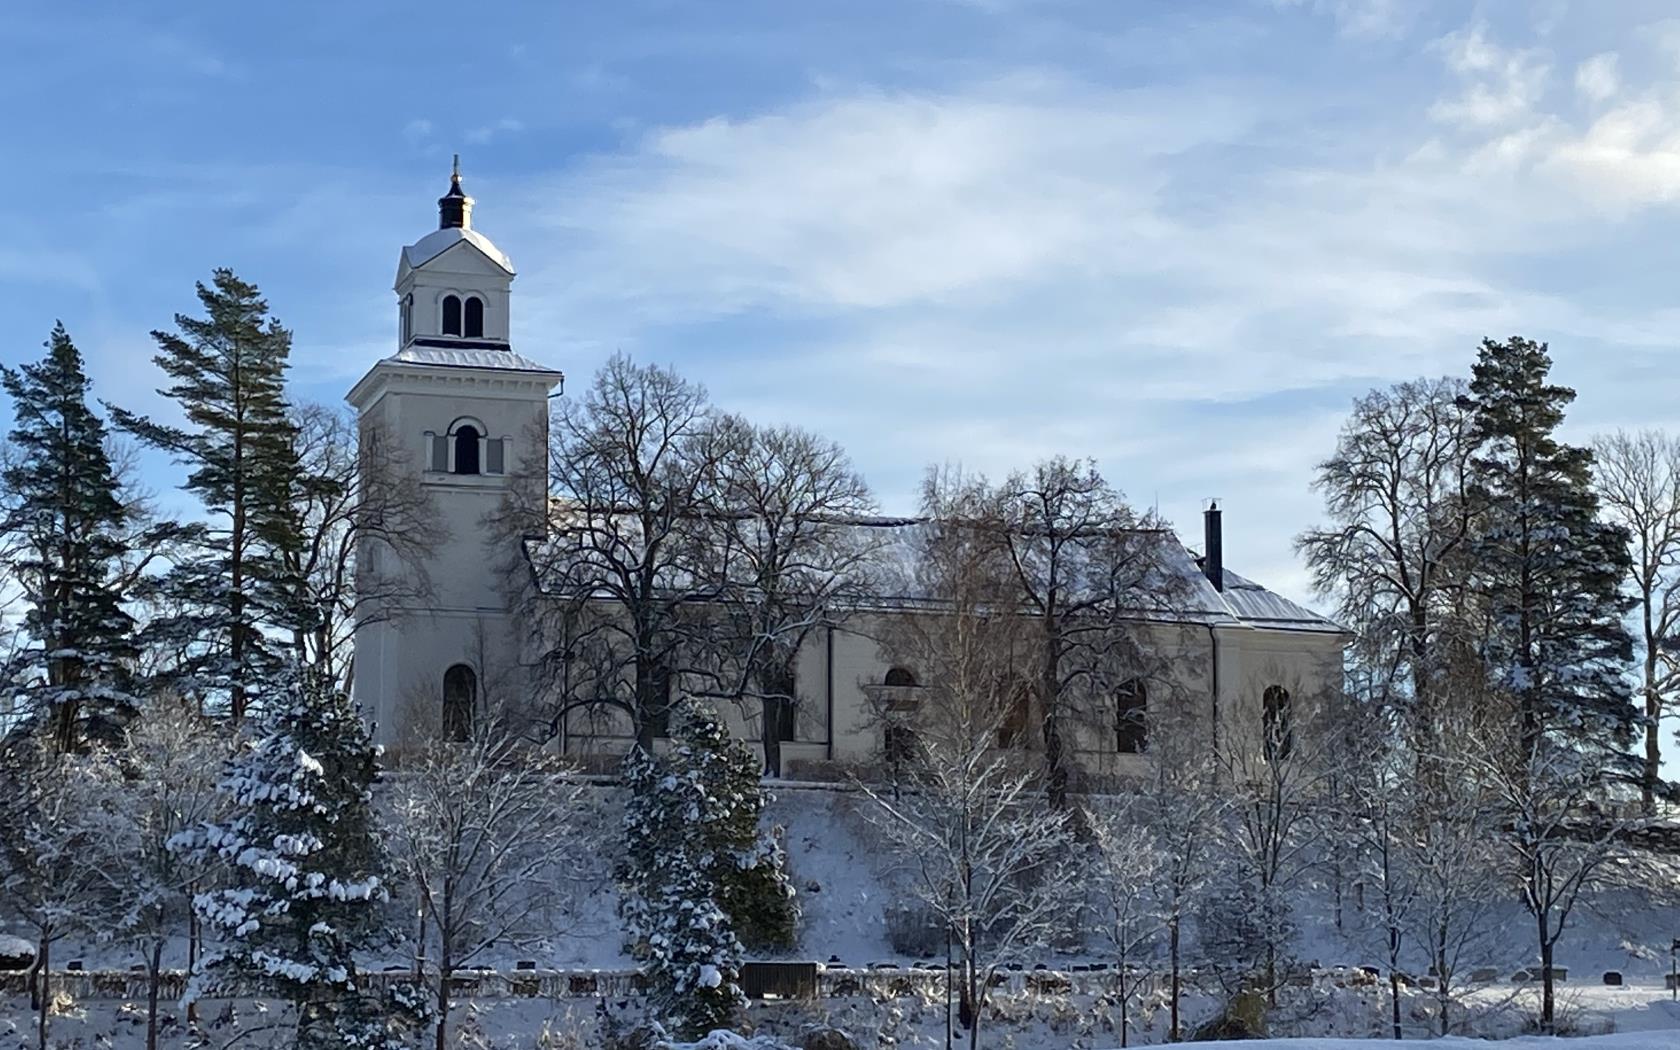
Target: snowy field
(845, 887)
(1641, 1018)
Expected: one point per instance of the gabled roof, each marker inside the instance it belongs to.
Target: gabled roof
(1242, 602)
(1259, 607)
(437, 242)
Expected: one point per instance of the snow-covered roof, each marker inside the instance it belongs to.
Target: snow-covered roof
(437, 242)
(1254, 604)
(468, 357)
(893, 545)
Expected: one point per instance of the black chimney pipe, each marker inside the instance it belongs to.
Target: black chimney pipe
(1213, 552)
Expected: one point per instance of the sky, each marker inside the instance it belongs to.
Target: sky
(1178, 236)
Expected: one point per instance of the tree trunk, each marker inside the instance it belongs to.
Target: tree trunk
(1394, 974)
(46, 992)
(153, 978)
(1055, 759)
(1546, 1002)
(195, 933)
(1125, 996)
(1173, 1034)
(442, 1003)
(770, 733)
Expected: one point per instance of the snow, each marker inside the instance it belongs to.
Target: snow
(1620, 1041)
(437, 242)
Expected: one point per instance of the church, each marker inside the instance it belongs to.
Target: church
(469, 415)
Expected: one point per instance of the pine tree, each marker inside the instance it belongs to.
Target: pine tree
(241, 586)
(1547, 569)
(62, 507)
(303, 868)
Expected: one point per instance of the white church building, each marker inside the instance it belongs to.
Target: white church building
(469, 413)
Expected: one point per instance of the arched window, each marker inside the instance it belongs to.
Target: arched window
(451, 315)
(1131, 728)
(475, 317)
(466, 449)
(1277, 732)
(460, 696)
(899, 678)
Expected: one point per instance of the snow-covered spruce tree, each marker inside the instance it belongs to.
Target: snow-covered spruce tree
(61, 507)
(304, 868)
(1549, 571)
(236, 591)
(746, 861)
(681, 848)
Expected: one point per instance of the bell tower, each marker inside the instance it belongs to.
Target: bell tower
(456, 410)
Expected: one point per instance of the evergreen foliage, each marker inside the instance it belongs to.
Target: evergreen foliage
(1549, 571)
(239, 586)
(63, 509)
(696, 869)
(303, 868)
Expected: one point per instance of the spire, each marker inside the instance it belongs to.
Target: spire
(455, 207)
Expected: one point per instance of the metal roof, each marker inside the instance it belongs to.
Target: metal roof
(1242, 603)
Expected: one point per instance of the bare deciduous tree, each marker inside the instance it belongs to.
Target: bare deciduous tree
(985, 852)
(1638, 481)
(54, 876)
(1125, 871)
(634, 465)
(483, 834)
(175, 759)
(368, 528)
(1397, 495)
(1087, 568)
(1561, 843)
(790, 505)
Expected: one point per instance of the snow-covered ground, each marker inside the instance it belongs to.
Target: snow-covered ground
(1642, 1018)
(845, 888)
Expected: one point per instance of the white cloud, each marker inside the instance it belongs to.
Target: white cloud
(1624, 156)
(505, 126)
(1362, 18)
(1598, 78)
(1498, 86)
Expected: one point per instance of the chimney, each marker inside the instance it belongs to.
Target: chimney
(1213, 551)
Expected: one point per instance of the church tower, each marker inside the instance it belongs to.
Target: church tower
(458, 409)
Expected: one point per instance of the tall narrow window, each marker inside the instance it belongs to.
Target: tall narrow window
(407, 310)
(495, 456)
(474, 317)
(460, 696)
(1277, 732)
(1012, 730)
(437, 454)
(451, 315)
(659, 717)
(466, 449)
(1131, 727)
(780, 722)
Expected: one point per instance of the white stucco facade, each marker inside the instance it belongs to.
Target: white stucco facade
(470, 415)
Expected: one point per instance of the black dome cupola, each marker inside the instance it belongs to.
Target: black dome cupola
(455, 207)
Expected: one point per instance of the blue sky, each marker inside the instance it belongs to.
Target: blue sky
(1179, 237)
